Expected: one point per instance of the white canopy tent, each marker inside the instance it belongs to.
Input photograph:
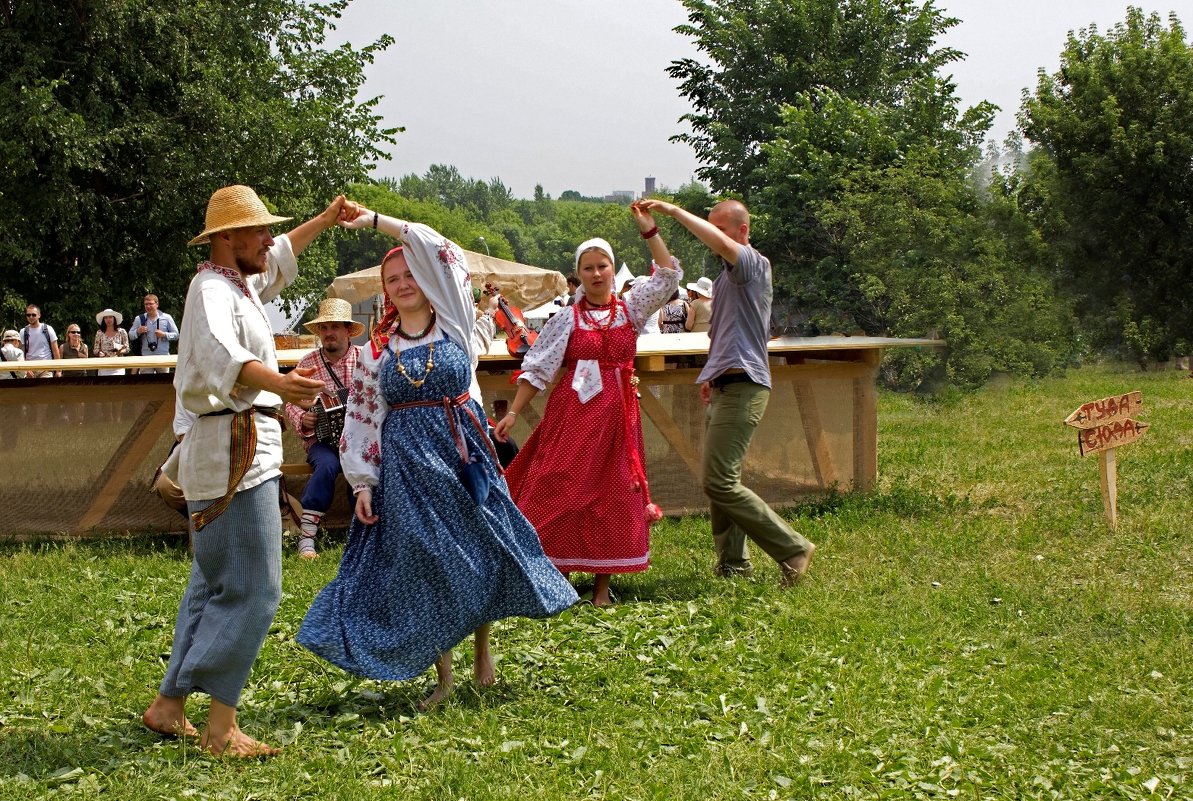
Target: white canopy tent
(522, 285)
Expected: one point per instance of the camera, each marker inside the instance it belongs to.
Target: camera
(153, 346)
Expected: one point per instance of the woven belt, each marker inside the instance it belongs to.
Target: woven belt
(241, 451)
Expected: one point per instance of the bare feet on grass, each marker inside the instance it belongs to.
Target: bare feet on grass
(223, 738)
(443, 670)
(482, 661)
(236, 745)
(167, 716)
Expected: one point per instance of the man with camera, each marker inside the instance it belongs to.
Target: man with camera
(320, 427)
(154, 330)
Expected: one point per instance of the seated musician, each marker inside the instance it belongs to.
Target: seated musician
(321, 426)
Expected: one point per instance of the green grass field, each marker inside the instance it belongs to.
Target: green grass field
(973, 629)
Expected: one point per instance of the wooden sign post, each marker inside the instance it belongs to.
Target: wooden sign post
(1103, 425)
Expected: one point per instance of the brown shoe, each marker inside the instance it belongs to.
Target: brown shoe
(793, 569)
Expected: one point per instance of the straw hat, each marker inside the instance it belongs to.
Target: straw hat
(234, 207)
(703, 286)
(10, 336)
(99, 318)
(335, 310)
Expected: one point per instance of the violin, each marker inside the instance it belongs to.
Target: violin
(518, 338)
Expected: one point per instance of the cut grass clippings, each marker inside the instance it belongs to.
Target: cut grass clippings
(971, 630)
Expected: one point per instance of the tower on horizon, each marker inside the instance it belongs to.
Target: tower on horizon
(649, 186)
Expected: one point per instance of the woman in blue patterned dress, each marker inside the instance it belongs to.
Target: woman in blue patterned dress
(425, 563)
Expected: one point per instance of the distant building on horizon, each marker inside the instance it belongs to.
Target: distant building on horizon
(649, 186)
(620, 196)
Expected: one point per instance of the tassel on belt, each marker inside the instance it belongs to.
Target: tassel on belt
(241, 451)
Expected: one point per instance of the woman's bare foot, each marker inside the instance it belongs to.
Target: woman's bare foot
(482, 659)
(443, 670)
(167, 716)
(600, 590)
(237, 745)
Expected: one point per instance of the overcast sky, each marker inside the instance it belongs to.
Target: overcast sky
(573, 94)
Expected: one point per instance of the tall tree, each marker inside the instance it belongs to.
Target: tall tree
(1111, 183)
(118, 118)
(834, 121)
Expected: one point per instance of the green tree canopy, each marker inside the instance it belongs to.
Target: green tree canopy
(1110, 184)
(121, 117)
(833, 121)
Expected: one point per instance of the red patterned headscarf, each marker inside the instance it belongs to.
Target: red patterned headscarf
(389, 315)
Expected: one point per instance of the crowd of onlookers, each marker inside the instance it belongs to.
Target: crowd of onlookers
(149, 333)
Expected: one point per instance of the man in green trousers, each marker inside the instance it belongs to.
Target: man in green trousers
(735, 385)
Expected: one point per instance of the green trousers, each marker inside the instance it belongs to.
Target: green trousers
(732, 415)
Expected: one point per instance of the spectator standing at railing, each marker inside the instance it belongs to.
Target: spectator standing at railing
(10, 351)
(155, 330)
(110, 339)
(39, 341)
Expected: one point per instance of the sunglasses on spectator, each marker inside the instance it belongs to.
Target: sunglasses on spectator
(72, 332)
(30, 314)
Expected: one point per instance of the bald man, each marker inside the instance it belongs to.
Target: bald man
(735, 385)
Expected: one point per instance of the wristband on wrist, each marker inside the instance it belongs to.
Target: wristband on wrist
(374, 219)
(652, 232)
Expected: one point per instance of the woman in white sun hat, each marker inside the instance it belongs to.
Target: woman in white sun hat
(110, 339)
(700, 307)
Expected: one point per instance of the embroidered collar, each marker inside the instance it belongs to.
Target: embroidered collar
(232, 275)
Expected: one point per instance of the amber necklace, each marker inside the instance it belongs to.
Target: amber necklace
(418, 382)
(586, 314)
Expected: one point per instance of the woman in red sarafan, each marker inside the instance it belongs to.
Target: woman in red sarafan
(580, 477)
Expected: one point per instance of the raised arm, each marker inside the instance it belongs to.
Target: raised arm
(305, 234)
(702, 229)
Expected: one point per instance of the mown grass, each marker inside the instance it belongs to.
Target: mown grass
(972, 629)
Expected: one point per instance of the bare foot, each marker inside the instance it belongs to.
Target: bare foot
(442, 690)
(237, 745)
(165, 716)
(308, 555)
(482, 670)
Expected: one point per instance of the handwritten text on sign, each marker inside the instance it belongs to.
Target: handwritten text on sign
(1099, 412)
(1110, 435)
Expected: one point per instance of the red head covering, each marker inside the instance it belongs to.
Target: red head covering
(380, 334)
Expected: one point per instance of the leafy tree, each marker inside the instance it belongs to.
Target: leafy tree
(1110, 184)
(832, 120)
(119, 118)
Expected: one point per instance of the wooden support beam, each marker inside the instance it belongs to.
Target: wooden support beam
(146, 431)
(670, 431)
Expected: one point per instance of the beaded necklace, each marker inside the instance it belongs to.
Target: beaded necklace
(418, 382)
(586, 309)
(420, 334)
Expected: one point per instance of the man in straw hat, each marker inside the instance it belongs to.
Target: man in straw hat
(229, 464)
(332, 364)
(735, 384)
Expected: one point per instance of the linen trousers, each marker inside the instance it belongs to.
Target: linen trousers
(231, 598)
(736, 512)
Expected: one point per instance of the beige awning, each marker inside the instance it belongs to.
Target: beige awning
(524, 286)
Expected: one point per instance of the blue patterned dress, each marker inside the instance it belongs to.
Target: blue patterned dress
(435, 566)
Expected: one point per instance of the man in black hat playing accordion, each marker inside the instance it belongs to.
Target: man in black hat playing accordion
(320, 427)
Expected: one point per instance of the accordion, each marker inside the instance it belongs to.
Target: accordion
(329, 420)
